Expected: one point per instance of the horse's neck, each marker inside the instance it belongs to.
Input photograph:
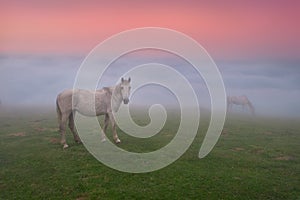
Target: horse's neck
(116, 98)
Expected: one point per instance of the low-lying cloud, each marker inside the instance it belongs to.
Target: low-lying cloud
(273, 88)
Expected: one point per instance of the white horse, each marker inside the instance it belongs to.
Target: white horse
(240, 100)
(107, 100)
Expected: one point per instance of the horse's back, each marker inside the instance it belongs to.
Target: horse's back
(239, 100)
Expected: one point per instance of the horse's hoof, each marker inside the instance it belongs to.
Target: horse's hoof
(118, 141)
(65, 146)
(103, 140)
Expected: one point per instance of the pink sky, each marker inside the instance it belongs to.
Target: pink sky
(227, 30)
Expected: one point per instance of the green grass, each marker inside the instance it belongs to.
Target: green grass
(253, 159)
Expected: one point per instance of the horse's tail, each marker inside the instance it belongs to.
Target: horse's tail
(58, 111)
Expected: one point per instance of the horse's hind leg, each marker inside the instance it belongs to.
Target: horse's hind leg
(72, 128)
(113, 125)
(62, 129)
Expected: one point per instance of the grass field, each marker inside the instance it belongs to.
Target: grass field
(254, 159)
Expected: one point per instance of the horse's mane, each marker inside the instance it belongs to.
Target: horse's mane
(108, 90)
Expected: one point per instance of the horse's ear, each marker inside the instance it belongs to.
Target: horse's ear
(129, 79)
(122, 80)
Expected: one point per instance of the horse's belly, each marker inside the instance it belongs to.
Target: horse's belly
(90, 110)
(85, 110)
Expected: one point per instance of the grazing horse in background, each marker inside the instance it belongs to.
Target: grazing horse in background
(240, 100)
(107, 101)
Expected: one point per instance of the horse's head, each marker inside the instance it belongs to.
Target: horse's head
(125, 89)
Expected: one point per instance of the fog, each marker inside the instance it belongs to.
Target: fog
(272, 87)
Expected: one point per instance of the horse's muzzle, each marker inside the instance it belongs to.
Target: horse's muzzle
(125, 101)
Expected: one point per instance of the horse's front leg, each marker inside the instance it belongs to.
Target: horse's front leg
(103, 132)
(113, 125)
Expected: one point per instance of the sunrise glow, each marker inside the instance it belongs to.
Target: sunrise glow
(235, 29)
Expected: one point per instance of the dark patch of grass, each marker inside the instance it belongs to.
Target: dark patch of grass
(255, 159)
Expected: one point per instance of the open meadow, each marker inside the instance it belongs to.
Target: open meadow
(255, 158)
